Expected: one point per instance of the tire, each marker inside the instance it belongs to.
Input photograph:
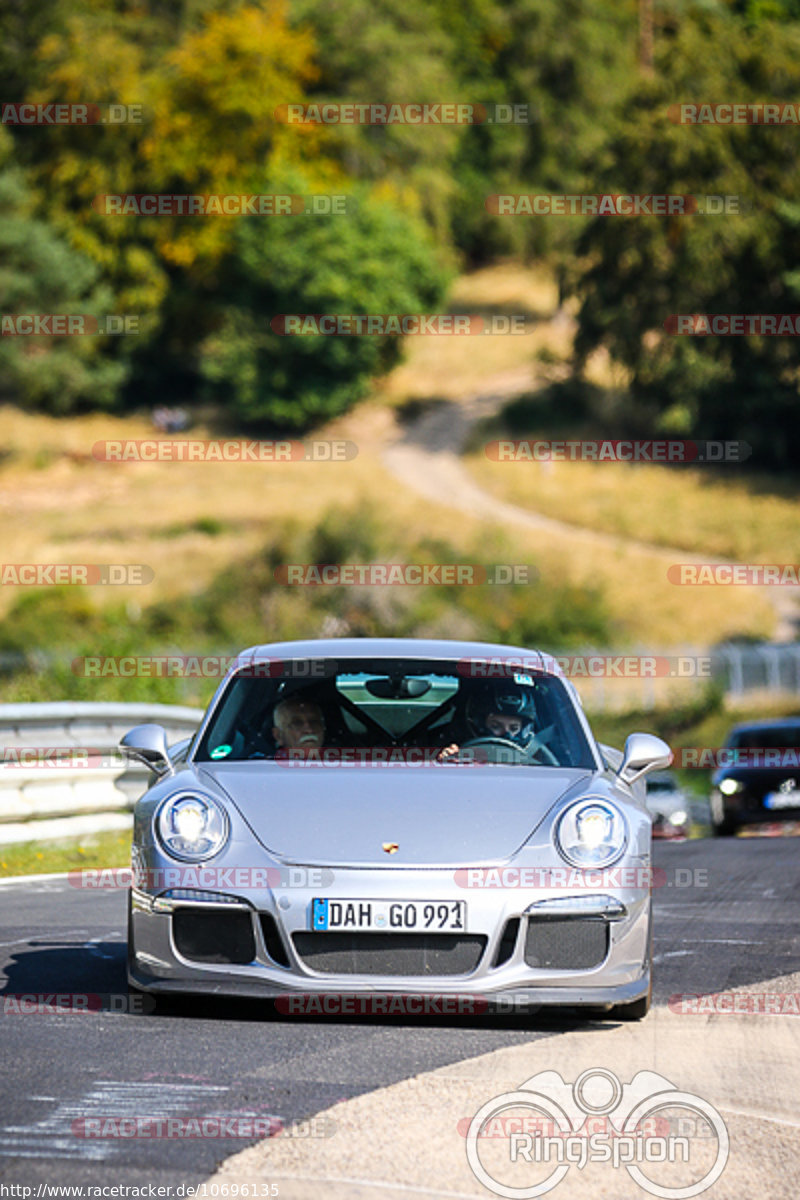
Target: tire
(637, 1009)
(722, 824)
(633, 1011)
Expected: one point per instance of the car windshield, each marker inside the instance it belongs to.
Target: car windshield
(395, 710)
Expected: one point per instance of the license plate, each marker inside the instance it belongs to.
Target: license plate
(390, 916)
(782, 799)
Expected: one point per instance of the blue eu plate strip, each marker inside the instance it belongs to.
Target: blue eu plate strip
(319, 914)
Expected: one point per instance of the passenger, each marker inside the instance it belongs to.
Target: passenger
(298, 724)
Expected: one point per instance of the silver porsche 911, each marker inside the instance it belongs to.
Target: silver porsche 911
(375, 819)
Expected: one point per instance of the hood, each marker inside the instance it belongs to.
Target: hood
(438, 816)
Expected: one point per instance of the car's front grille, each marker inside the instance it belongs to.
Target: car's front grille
(566, 944)
(214, 935)
(389, 953)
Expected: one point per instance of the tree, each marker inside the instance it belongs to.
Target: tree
(42, 275)
(637, 271)
(374, 259)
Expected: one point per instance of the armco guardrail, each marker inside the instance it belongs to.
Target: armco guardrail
(51, 787)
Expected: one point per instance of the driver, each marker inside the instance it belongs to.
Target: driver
(298, 724)
(503, 710)
(500, 710)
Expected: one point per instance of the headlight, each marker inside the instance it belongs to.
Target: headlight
(191, 828)
(591, 833)
(677, 818)
(729, 787)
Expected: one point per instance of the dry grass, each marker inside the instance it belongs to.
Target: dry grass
(60, 505)
(688, 507)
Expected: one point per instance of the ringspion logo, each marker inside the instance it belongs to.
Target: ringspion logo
(529, 1162)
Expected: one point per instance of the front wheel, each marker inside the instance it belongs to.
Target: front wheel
(633, 1011)
(636, 1009)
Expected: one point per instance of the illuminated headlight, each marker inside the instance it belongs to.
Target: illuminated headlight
(591, 833)
(191, 828)
(729, 787)
(677, 818)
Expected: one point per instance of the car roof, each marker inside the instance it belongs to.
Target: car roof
(774, 723)
(433, 648)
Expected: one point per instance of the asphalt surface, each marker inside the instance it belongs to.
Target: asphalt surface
(725, 918)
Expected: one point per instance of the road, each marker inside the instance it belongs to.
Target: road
(725, 919)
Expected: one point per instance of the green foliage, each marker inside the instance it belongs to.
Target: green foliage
(377, 260)
(636, 272)
(210, 75)
(41, 274)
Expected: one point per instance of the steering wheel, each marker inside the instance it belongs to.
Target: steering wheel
(523, 753)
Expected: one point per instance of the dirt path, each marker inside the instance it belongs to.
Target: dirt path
(426, 458)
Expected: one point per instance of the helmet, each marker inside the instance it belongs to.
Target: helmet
(506, 699)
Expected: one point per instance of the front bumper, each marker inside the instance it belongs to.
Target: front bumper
(502, 980)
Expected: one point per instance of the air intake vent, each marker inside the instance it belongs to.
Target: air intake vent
(566, 945)
(209, 935)
(389, 953)
(273, 940)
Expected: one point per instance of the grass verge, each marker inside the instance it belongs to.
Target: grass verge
(44, 858)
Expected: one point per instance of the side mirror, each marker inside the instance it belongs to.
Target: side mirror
(643, 753)
(148, 744)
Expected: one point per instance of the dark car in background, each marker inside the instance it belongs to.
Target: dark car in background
(758, 778)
